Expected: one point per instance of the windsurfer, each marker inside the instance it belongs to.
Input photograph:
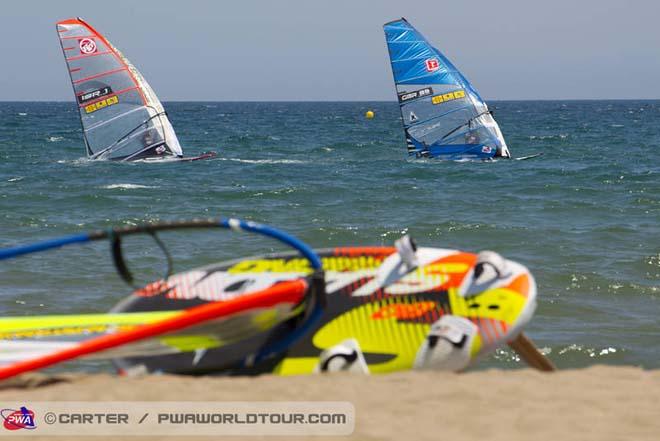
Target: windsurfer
(149, 139)
(472, 138)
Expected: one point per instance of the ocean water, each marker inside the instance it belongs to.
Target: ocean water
(585, 217)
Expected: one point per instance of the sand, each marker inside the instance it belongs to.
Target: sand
(598, 403)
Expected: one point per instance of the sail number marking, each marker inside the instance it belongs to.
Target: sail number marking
(94, 94)
(407, 96)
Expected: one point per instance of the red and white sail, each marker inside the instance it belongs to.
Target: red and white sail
(121, 115)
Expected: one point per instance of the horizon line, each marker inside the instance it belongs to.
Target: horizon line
(346, 101)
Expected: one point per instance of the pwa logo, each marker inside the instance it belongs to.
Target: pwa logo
(18, 419)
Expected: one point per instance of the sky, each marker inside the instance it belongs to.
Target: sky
(334, 50)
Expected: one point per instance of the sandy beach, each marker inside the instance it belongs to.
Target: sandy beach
(598, 403)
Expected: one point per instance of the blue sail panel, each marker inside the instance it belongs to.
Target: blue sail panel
(443, 114)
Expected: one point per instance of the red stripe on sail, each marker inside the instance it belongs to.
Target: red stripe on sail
(77, 57)
(69, 21)
(102, 74)
(78, 36)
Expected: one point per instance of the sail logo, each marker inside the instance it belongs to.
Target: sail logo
(98, 93)
(22, 418)
(457, 94)
(87, 46)
(432, 64)
(101, 104)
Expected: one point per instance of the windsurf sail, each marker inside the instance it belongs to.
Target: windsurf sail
(443, 114)
(121, 116)
(22, 338)
(201, 312)
(288, 292)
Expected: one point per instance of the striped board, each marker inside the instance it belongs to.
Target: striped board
(447, 311)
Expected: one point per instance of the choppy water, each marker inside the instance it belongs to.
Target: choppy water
(585, 217)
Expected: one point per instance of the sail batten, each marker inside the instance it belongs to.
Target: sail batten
(443, 114)
(121, 116)
(100, 75)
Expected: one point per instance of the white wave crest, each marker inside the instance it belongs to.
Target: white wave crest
(265, 161)
(126, 186)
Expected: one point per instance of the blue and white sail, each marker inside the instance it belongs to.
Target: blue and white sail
(443, 115)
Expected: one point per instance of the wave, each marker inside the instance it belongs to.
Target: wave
(78, 161)
(544, 137)
(126, 186)
(265, 161)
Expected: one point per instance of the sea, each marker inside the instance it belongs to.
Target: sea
(584, 217)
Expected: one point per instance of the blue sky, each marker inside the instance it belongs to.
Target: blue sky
(335, 50)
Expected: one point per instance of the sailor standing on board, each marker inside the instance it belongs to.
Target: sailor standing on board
(472, 138)
(148, 140)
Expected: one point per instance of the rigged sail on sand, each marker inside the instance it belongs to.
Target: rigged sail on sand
(121, 116)
(443, 115)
